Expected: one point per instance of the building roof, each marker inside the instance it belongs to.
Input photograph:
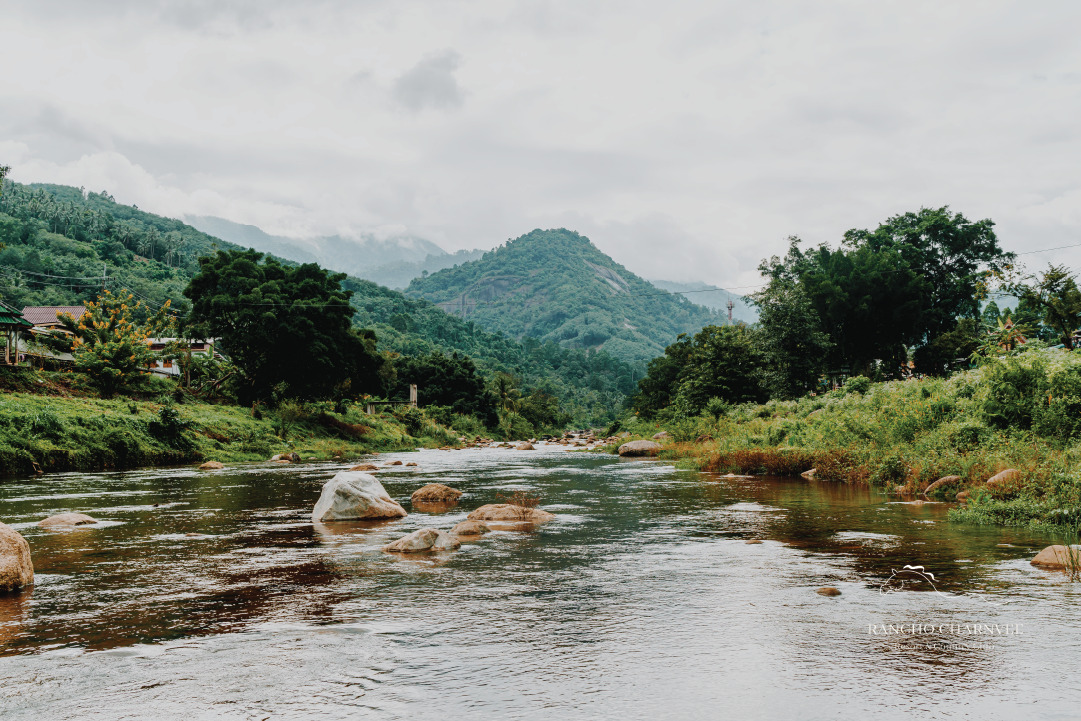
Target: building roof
(10, 317)
(46, 314)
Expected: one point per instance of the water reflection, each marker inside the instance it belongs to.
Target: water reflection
(641, 599)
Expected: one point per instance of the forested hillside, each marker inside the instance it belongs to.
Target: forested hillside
(61, 246)
(555, 285)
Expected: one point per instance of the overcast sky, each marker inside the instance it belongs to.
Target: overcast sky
(687, 139)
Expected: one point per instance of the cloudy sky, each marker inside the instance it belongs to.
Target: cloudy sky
(687, 139)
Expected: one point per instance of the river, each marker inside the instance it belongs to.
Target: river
(212, 595)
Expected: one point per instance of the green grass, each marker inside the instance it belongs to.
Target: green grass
(901, 436)
(46, 431)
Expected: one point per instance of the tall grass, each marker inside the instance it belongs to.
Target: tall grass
(903, 435)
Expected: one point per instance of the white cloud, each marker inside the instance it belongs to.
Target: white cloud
(687, 143)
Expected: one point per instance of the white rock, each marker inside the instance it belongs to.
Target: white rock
(353, 495)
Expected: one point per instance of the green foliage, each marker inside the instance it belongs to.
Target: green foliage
(858, 384)
(284, 327)
(1056, 296)
(720, 362)
(513, 426)
(109, 341)
(443, 380)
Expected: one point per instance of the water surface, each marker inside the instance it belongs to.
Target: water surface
(212, 595)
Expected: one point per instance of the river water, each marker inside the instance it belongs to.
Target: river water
(212, 595)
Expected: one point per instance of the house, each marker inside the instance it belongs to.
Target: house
(12, 325)
(45, 318)
(167, 365)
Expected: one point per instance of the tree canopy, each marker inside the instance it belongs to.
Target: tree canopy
(288, 329)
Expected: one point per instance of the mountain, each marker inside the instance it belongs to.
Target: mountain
(391, 261)
(712, 296)
(555, 285)
(59, 245)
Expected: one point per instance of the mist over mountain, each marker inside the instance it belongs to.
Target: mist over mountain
(712, 296)
(391, 261)
(555, 285)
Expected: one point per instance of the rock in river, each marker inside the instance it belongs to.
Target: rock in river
(470, 528)
(352, 495)
(944, 481)
(364, 467)
(286, 457)
(1002, 478)
(426, 539)
(1058, 557)
(524, 446)
(16, 568)
(828, 591)
(67, 519)
(509, 512)
(211, 466)
(639, 448)
(436, 493)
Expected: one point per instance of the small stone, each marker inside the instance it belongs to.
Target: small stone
(436, 492)
(524, 446)
(411, 463)
(470, 528)
(752, 542)
(828, 591)
(394, 463)
(211, 466)
(426, 539)
(67, 519)
(809, 475)
(364, 467)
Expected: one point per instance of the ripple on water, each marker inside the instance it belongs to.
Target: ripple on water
(639, 601)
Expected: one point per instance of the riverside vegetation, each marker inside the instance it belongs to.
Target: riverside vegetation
(1019, 411)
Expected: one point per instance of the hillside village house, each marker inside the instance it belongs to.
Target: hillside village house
(45, 318)
(169, 367)
(12, 325)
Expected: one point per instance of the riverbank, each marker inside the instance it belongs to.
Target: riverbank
(1021, 413)
(56, 429)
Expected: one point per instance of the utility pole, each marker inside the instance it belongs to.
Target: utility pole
(104, 267)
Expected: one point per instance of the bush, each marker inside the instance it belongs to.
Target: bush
(858, 384)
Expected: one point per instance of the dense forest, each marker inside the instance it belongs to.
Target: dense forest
(63, 246)
(555, 285)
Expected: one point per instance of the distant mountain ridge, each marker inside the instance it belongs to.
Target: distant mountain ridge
(556, 285)
(391, 261)
(712, 296)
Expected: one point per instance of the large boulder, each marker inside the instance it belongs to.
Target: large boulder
(524, 446)
(67, 519)
(353, 495)
(426, 539)
(942, 483)
(509, 512)
(640, 448)
(436, 493)
(470, 528)
(291, 457)
(1003, 478)
(211, 466)
(16, 568)
(1058, 557)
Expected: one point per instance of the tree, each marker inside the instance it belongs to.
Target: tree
(109, 341)
(724, 362)
(287, 329)
(791, 338)
(1056, 296)
(443, 380)
(952, 254)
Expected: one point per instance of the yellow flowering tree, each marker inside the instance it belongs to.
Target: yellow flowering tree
(109, 341)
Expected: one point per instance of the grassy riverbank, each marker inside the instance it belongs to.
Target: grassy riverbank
(49, 425)
(1022, 412)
